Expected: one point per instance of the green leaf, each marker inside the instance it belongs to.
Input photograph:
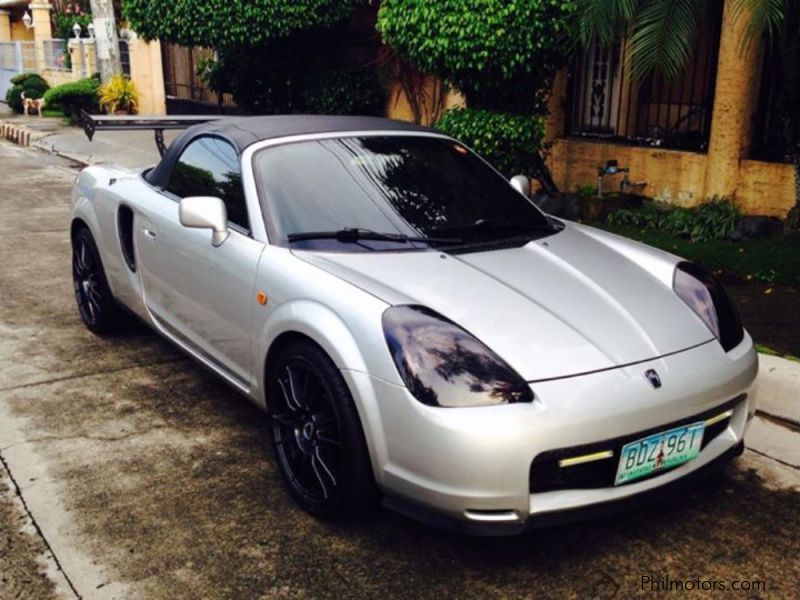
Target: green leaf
(663, 37)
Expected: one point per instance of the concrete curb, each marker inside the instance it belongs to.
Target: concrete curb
(779, 388)
(16, 133)
(41, 144)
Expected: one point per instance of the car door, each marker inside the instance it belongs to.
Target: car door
(200, 294)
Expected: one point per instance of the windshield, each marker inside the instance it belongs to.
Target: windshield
(412, 187)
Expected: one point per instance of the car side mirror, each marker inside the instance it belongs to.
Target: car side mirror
(522, 184)
(205, 212)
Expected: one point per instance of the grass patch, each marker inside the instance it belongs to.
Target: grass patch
(774, 260)
(762, 349)
(56, 113)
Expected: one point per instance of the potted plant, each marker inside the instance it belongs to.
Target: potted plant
(119, 96)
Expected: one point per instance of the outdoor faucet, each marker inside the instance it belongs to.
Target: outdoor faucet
(610, 168)
(627, 183)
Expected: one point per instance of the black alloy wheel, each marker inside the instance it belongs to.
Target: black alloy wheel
(100, 312)
(317, 435)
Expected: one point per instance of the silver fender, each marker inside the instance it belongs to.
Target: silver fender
(322, 325)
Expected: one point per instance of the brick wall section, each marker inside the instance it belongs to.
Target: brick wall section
(689, 177)
(670, 175)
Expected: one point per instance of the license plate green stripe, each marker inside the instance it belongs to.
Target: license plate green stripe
(659, 451)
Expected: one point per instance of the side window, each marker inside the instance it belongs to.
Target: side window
(209, 166)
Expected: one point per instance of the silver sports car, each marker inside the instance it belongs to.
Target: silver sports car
(417, 329)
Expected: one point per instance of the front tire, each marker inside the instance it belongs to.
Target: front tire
(99, 311)
(317, 435)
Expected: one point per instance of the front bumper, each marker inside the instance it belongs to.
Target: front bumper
(470, 468)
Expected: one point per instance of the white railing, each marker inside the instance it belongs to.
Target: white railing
(83, 57)
(56, 55)
(15, 58)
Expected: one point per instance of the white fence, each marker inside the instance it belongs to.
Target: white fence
(15, 58)
(56, 55)
(57, 60)
(83, 57)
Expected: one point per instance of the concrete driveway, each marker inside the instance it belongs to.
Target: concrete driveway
(127, 471)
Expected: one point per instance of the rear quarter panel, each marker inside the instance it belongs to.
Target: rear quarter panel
(96, 197)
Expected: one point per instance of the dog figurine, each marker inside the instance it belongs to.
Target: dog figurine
(35, 103)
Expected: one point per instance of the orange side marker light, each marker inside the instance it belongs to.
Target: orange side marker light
(261, 298)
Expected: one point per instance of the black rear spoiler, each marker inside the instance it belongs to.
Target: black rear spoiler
(92, 123)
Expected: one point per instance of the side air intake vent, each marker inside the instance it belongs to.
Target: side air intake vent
(125, 228)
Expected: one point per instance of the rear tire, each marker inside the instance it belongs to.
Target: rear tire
(99, 311)
(317, 436)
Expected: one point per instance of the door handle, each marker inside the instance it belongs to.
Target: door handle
(149, 233)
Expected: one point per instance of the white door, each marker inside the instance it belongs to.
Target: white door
(200, 294)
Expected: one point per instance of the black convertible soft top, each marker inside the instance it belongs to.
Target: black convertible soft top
(241, 132)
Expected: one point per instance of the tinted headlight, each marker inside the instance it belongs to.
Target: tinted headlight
(709, 300)
(443, 365)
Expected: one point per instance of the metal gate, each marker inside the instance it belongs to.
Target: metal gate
(186, 92)
(15, 58)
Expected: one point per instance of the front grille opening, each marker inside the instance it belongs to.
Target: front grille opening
(546, 475)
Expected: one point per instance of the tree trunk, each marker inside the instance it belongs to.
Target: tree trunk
(541, 173)
(106, 40)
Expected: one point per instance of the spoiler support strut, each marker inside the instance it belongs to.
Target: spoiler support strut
(93, 123)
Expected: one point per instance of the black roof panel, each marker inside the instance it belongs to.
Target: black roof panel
(242, 132)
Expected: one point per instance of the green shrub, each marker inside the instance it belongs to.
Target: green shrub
(502, 54)
(345, 92)
(712, 220)
(29, 79)
(511, 143)
(222, 24)
(65, 21)
(75, 96)
(32, 84)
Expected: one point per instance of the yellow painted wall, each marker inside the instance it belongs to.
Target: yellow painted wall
(670, 175)
(688, 177)
(147, 75)
(762, 188)
(398, 106)
(19, 33)
(55, 78)
(765, 188)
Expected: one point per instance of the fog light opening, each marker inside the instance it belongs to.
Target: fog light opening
(491, 515)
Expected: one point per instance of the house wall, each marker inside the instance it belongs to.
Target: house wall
(762, 188)
(5, 25)
(55, 78)
(147, 75)
(688, 177)
(398, 106)
(19, 33)
(670, 175)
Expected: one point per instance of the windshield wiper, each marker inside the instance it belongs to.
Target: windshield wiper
(351, 235)
(489, 225)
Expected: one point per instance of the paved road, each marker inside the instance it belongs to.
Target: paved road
(144, 477)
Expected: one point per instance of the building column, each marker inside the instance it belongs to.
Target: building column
(40, 14)
(5, 26)
(556, 107)
(147, 74)
(42, 30)
(735, 96)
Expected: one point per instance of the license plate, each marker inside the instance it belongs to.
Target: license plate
(659, 451)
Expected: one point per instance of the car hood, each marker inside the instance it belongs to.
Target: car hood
(559, 306)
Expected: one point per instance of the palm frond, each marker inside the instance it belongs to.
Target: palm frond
(663, 37)
(763, 16)
(604, 21)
